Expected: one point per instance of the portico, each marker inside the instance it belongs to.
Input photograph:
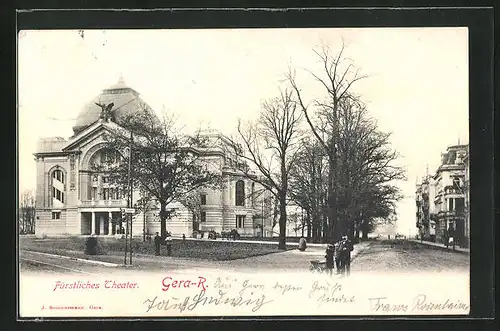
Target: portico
(101, 223)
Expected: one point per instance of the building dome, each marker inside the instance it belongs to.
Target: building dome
(126, 101)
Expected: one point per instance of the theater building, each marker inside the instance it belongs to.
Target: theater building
(74, 199)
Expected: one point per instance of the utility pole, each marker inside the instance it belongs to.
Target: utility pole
(126, 238)
(131, 203)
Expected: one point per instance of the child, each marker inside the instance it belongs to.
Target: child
(329, 259)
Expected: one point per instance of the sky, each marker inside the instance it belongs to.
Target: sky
(417, 84)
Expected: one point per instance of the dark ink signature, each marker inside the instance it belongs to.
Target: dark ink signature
(190, 303)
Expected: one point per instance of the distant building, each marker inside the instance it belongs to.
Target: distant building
(425, 208)
(467, 199)
(74, 199)
(441, 198)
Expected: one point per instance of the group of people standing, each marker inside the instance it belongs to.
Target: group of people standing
(338, 256)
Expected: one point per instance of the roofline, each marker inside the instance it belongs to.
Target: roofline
(87, 132)
(61, 153)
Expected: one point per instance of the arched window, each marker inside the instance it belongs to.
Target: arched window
(240, 193)
(59, 175)
(108, 155)
(58, 187)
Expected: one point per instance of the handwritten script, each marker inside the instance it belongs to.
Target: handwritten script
(420, 303)
(190, 303)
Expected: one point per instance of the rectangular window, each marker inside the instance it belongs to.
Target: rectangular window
(240, 221)
(62, 197)
(105, 193)
(58, 195)
(53, 192)
(56, 215)
(459, 205)
(203, 217)
(450, 204)
(203, 199)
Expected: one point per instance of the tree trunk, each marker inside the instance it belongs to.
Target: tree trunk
(364, 229)
(325, 229)
(282, 222)
(33, 221)
(282, 202)
(308, 226)
(330, 202)
(314, 229)
(163, 220)
(356, 232)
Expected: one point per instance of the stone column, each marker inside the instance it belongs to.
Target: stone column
(232, 192)
(92, 224)
(110, 224)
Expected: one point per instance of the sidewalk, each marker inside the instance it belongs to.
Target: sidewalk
(291, 259)
(251, 241)
(442, 246)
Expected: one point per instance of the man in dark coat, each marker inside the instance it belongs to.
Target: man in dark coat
(337, 256)
(157, 241)
(168, 242)
(348, 248)
(330, 252)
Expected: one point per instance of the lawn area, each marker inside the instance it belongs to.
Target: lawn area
(216, 250)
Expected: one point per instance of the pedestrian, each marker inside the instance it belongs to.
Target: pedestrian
(348, 248)
(330, 252)
(157, 242)
(451, 236)
(338, 262)
(169, 245)
(183, 237)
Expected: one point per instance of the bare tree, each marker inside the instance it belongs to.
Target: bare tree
(361, 163)
(27, 213)
(337, 85)
(269, 145)
(165, 164)
(307, 185)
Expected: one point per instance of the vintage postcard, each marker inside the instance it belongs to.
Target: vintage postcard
(243, 172)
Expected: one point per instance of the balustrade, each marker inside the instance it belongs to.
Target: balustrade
(104, 203)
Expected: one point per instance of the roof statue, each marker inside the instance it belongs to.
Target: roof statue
(106, 113)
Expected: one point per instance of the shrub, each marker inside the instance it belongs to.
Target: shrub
(93, 246)
(302, 244)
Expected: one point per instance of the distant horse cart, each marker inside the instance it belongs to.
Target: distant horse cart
(205, 234)
(230, 235)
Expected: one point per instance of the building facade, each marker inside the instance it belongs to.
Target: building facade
(467, 199)
(442, 199)
(72, 198)
(425, 208)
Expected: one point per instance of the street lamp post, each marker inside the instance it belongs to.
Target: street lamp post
(262, 225)
(144, 221)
